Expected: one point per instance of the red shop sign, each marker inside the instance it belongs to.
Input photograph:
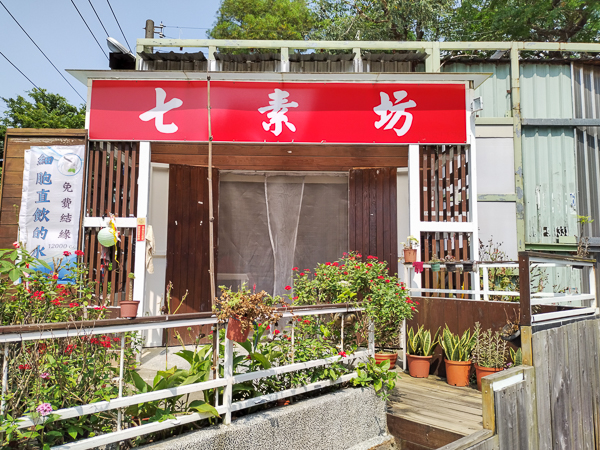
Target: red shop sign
(279, 112)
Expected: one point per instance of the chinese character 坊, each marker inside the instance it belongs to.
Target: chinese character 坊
(390, 113)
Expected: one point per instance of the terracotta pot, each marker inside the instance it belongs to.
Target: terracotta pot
(129, 308)
(381, 357)
(484, 372)
(234, 330)
(418, 366)
(457, 372)
(410, 255)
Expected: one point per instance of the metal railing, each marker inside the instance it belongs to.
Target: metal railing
(224, 406)
(570, 301)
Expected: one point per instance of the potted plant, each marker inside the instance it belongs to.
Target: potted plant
(489, 353)
(129, 307)
(450, 263)
(420, 351)
(458, 356)
(242, 308)
(410, 249)
(435, 264)
(468, 266)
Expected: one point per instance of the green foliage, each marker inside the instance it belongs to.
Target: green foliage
(56, 373)
(420, 343)
(379, 376)
(458, 348)
(490, 348)
(45, 111)
(385, 300)
(540, 20)
(516, 357)
(263, 19)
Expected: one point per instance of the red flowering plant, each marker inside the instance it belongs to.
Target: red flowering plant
(363, 280)
(49, 374)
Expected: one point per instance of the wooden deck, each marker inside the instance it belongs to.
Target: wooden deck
(429, 413)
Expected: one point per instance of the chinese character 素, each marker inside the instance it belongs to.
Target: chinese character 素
(40, 215)
(390, 113)
(278, 107)
(43, 178)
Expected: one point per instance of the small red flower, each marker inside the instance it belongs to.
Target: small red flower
(55, 277)
(70, 349)
(79, 253)
(301, 274)
(335, 264)
(413, 308)
(294, 268)
(343, 354)
(289, 338)
(16, 244)
(287, 288)
(358, 255)
(268, 327)
(276, 331)
(357, 267)
(307, 322)
(380, 277)
(66, 253)
(345, 273)
(73, 304)
(387, 281)
(295, 298)
(327, 263)
(369, 265)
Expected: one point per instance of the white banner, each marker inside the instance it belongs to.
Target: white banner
(51, 202)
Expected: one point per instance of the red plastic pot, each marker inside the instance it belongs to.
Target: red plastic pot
(234, 330)
(484, 372)
(418, 366)
(129, 308)
(391, 357)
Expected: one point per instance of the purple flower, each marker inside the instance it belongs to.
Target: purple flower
(44, 375)
(44, 409)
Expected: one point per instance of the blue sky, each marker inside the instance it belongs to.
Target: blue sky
(58, 30)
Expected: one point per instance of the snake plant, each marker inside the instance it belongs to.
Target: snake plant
(458, 348)
(420, 343)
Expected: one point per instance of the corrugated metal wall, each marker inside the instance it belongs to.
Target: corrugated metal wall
(495, 91)
(546, 91)
(550, 184)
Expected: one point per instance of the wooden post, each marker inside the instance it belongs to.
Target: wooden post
(149, 29)
(524, 289)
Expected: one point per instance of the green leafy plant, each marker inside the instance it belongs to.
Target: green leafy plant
(458, 348)
(490, 348)
(421, 343)
(379, 376)
(516, 357)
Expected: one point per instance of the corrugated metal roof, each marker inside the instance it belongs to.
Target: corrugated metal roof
(495, 91)
(550, 184)
(546, 91)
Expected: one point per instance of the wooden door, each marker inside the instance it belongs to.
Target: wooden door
(373, 223)
(188, 244)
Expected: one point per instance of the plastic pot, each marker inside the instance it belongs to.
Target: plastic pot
(129, 309)
(410, 255)
(483, 372)
(234, 330)
(435, 266)
(450, 266)
(457, 372)
(418, 366)
(391, 357)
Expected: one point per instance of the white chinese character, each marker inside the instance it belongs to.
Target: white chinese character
(279, 107)
(158, 112)
(392, 112)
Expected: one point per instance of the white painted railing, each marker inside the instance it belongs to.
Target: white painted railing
(224, 405)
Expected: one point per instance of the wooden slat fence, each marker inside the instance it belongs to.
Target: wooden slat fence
(111, 183)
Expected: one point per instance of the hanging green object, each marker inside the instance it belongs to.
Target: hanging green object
(107, 237)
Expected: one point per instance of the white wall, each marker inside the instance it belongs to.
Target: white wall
(402, 208)
(157, 218)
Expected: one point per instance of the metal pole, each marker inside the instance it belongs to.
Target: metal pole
(228, 369)
(4, 379)
(371, 338)
(486, 282)
(121, 371)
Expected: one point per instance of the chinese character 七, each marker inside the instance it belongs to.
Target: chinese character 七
(390, 113)
(278, 107)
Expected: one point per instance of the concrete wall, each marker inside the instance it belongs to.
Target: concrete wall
(339, 420)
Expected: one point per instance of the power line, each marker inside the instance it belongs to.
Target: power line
(117, 20)
(99, 20)
(88, 27)
(38, 47)
(5, 57)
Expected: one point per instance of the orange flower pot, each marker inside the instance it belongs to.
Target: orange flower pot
(457, 372)
(484, 372)
(410, 255)
(381, 357)
(234, 331)
(418, 366)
